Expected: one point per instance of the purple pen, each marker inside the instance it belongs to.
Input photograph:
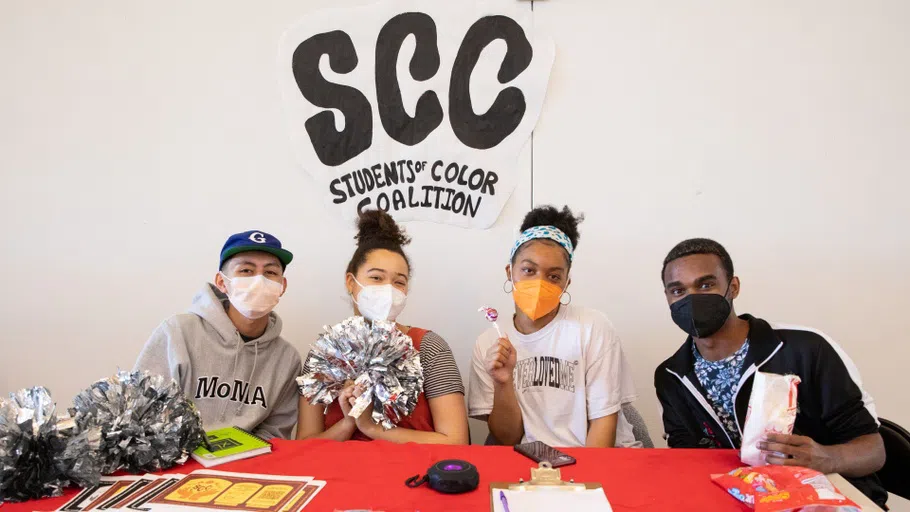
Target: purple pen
(505, 502)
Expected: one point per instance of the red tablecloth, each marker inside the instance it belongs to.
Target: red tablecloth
(364, 475)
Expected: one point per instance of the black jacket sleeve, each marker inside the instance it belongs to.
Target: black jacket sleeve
(671, 401)
(843, 412)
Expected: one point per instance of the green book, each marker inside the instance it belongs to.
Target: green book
(230, 444)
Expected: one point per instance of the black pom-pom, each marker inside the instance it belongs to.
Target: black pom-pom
(39, 454)
(146, 423)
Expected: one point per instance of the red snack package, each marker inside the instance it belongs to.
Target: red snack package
(784, 489)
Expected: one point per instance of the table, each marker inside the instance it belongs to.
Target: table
(853, 493)
(372, 474)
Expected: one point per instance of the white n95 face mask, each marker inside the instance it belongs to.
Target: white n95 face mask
(255, 296)
(380, 302)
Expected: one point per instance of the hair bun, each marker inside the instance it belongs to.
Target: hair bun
(379, 226)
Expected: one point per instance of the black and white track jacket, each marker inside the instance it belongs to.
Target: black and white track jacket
(832, 406)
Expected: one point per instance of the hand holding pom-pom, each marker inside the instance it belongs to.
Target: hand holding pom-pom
(380, 359)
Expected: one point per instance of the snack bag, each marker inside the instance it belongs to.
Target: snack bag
(784, 489)
(772, 408)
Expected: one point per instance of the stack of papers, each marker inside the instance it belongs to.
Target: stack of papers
(200, 490)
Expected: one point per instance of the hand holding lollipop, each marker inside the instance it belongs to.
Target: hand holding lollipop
(501, 357)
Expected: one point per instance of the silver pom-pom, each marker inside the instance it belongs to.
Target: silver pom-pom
(377, 356)
(146, 423)
(39, 454)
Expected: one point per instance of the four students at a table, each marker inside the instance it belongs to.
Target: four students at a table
(559, 376)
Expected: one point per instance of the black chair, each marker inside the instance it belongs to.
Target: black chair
(895, 475)
(491, 441)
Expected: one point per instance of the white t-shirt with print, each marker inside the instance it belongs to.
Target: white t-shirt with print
(571, 371)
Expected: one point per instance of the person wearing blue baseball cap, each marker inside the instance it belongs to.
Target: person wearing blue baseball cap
(226, 352)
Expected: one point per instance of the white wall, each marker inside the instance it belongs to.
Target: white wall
(135, 136)
(781, 129)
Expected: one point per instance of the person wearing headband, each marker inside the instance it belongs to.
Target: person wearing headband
(377, 280)
(559, 374)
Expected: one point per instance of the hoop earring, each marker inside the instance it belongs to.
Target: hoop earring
(512, 287)
(564, 294)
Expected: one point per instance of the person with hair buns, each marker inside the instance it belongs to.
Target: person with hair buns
(559, 375)
(377, 279)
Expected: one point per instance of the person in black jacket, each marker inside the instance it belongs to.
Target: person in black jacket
(704, 387)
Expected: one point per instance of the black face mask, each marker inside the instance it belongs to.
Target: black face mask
(701, 314)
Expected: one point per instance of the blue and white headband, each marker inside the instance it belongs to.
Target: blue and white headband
(548, 232)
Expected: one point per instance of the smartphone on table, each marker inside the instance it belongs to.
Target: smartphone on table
(538, 451)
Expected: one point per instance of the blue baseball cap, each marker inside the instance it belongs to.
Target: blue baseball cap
(250, 241)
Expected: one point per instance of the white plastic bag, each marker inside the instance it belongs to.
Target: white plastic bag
(772, 408)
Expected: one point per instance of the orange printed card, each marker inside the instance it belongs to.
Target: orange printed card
(220, 490)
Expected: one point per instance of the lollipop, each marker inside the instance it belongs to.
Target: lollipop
(491, 316)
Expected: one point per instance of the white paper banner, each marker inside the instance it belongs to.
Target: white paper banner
(418, 107)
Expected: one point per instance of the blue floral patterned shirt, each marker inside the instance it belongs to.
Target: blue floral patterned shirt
(721, 380)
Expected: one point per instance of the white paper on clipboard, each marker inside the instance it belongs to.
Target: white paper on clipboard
(589, 500)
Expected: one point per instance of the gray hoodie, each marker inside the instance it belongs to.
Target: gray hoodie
(233, 383)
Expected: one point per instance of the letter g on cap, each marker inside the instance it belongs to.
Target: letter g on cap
(258, 237)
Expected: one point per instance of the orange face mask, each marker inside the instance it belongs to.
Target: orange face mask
(536, 297)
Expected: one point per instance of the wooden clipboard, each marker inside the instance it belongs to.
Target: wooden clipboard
(543, 478)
